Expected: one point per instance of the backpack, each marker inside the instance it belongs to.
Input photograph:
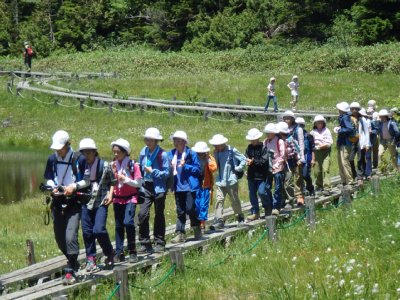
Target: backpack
(239, 174)
(29, 51)
(354, 135)
(74, 162)
(170, 179)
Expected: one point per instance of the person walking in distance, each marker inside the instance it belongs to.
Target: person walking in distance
(293, 86)
(28, 54)
(271, 95)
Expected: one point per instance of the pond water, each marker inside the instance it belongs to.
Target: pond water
(21, 172)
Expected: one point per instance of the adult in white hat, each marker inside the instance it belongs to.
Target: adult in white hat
(344, 146)
(293, 86)
(276, 176)
(60, 173)
(364, 164)
(296, 161)
(208, 166)
(186, 170)
(356, 120)
(389, 134)
(154, 165)
(231, 165)
(271, 95)
(257, 171)
(28, 55)
(372, 105)
(323, 143)
(125, 198)
(97, 181)
(374, 137)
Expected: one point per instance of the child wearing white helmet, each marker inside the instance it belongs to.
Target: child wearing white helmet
(271, 95)
(125, 198)
(186, 170)
(231, 165)
(257, 171)
(364, 164)
(276, 176)
(208, 166)
(155, 168)
(323, 143)
(374, 135)
(293, 86)
(389, 136)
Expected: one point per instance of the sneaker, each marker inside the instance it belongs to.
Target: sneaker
(253, 217)
(219, 224)
(275, 212)
(91, 264)
(69, 278)
(133, 258)
(119, 258)
(158, 248)
(179, 238)
(145, 248)
(197, 233)
(240, 220)
(109, 261)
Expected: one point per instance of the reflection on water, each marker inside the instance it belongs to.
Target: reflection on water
(21, 172)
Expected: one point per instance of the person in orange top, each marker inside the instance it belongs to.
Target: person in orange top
(208, 166)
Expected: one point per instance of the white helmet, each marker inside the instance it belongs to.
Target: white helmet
(288, 113)
(371, 103)
(363, 112)
(180, 135)
(201, 147)
(343, 106)
(60, 138)
(383, 113)
(253, 134)
(153, 133)
(271, 128)
(283, 127)
(295, 77)
(319, 118)
(300, 120)
(218, 139)
(355, 105)
(124, 144)
(272, 78)
(87, 144)
(375, 116)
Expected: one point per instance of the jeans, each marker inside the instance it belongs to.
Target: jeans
(124, 221)
(274, 201)
(364, 165)
(256, 187)
(185, 205)
(159, 216)
(275, 103)
(307, 177)
(203, 197)
(94, 227)
(352, 156)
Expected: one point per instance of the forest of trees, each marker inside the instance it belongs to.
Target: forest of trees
(192, 25)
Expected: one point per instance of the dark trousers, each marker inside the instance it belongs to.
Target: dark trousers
(66, 227)
(28, 62)
(274, 201)
(185, 205)
(124, 221)
(267, 103)
(364, 165)
(256, 189)
(94, 227)
(307, 177)
(151, 197)
(352, 156)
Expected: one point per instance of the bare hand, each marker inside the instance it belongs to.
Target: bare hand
(121, 177)
(299, 163)
(69, 190)
(148, 169)
(249, 161)
(108, 201)
(312, 163)
(182, 163)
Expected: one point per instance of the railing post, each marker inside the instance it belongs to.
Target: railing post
(176, 254)
(346, 196)
(310, 206)
(121, 278)
(239, 116)
(171, 110)
(271, 226)
(110, 105)
(81, 102)
(30, 253)
(205, 113)
(375, 185)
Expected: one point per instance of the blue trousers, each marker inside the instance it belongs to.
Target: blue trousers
(124, 221)
(185, 205)
(94, 227)
(364, 164)
(202, 203)
(307, 176)
(256, 187)
(275, 200)
(275, 103)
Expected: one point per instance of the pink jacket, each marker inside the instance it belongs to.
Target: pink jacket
(278, 146)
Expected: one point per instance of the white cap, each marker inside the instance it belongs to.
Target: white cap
(26, 43)
(394, 109)
(60, 138)
(371, 102)
(363, 112)
(124, 144)
(343, 106)
(201, 147)
(283, 127)
(383, 113)
(218, 139)
(179, 134)
(319, 118)
(355, 105)
(300, 120)
(271, 128)
(272, 78)
(295, 77)
(153, 133)
(87, 144)
(253, 134)
(375, 116)
(288, 113)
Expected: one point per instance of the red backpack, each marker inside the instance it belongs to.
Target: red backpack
(29, 51)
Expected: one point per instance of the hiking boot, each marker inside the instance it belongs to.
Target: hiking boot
(218, 224)
(109, 261)
(203, 227)
(145, 248)
(240, 220)
(253, 217)
(119, 258)
(275, 212)
(69, 278)
(158, 248)
(133, 258)
(197, 232)
(179, 238)
(91, 264)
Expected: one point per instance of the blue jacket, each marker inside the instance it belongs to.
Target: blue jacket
(161, 169)
(228, 161)
(191, 168)
(345, 131)
(393, 129)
